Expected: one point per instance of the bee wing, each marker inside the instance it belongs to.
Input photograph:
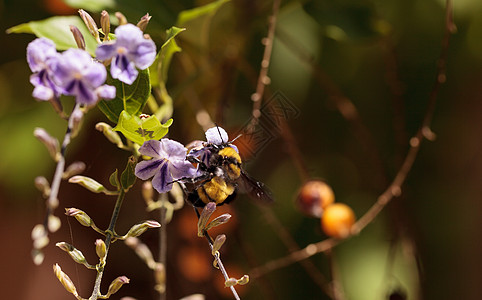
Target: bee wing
(256, 190)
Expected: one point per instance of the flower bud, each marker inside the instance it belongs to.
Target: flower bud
(121, 18)
(143, 22)
(78, 37)
(38, 231)
(117, 284)
(141, 250)
(178, 195)
(160, 277)
(65, 280)
(39, 236)
(90, 23)
(222, 219)
(110, 134)
(218, 243)
(75, 253)
(243, 280)
(100, 248)
(147, 191)
(75, 121)
(74, 169)
(50, 142)
(42, 185)
(313, 197)
(88, 183)
(80, 216)
(53, 223)
(230, 282)
(37, 257)
(139, 229)
(194, 297)
(105, 24)
(204, 218)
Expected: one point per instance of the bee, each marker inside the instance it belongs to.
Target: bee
(220, 173)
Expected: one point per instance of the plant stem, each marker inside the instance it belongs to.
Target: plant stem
(163, 245)
(109, 234)
(220, 265)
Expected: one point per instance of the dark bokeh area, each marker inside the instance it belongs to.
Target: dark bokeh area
(381, 56)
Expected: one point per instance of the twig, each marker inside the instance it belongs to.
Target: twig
(52, 201)
(219, 263)
(263, 73)
(394, 189)
(163, 243)
(109, 235)
(291, 245)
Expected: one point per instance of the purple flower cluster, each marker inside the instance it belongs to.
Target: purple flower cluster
(72, 72)
(75, 73)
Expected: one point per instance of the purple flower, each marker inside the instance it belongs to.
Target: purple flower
(168, 163)
(128, 51)
(42, 59)
(78, 75)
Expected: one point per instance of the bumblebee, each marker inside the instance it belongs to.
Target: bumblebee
(220, 173)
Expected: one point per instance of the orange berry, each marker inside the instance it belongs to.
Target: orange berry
(313, 197)
(337, 220)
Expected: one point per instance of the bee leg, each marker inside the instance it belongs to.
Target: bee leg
(197, 212)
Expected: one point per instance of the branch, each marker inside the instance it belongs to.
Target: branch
(263, 78)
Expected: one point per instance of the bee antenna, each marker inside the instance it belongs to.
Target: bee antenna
(219, 131)
(239, 135)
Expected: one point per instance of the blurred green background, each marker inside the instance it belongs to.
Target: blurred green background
(381, 55)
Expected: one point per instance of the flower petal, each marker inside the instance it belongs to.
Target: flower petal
(106, 51)
(148, 168)
(181, 169)
(162, 181)
(151, 148)
(42, 93)
(38, 51)
(172, 149)
(123, 70)
(145, 54)
(128, 35)
(106, 91)
(84, 94)
(95, 74)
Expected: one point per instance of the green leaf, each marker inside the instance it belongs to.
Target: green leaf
(114, 179)
(131, 98)
(128, 177)
(160, 66)
(191, 14)
(91, 5)
(57, 29)
(140, 130)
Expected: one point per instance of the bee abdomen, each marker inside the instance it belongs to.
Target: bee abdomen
(216, 190)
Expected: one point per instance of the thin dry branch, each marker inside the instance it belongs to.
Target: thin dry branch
(263, 78)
